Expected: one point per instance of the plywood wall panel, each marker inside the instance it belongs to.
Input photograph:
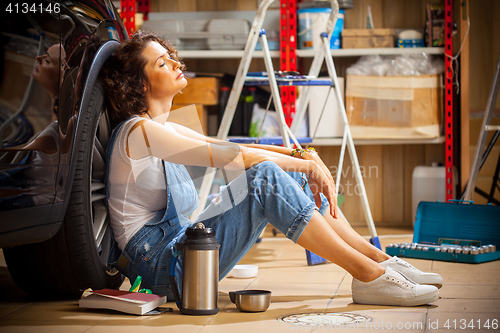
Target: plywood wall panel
(387, 174)
(355, 18)
(206, 5)
(371, 165)
(413, 155)
(247, 4)
(403, 14)
(351, 207)
(164, 6)
(371, 162)
(484, 50)
(227, 5)
(434, 154)
(393, 188)
(187, 6)
(201, 5)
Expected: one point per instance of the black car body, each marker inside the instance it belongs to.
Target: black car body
(54, 131)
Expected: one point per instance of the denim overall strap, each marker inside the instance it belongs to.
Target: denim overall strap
(170, 211)
(179, 180)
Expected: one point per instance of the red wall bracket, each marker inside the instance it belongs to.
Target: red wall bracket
(448, 97)
(144, 8)
(127, 12)
(288, 57)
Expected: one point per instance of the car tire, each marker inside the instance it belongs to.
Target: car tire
(76, 257)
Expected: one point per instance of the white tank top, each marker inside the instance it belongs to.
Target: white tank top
(138, 190)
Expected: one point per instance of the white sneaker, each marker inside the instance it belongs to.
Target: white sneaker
(392, 288)
(413, 273)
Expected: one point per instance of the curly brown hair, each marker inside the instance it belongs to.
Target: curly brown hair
(124, 78)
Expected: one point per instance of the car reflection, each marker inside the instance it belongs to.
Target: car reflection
(32, 183)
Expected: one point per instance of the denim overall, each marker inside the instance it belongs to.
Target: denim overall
(262, 194)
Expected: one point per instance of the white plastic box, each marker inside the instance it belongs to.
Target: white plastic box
(213, 34)
(428, 184)
(330, 125)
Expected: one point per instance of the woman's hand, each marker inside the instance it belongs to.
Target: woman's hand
(319, 182)
(313, 156)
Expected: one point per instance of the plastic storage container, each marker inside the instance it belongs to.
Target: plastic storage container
(213, 34)
(428, 184)
(330, 125)
(312, 22)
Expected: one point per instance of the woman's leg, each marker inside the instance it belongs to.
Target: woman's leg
(320, 238)
(351, 237)
(268, 194)
(265, 193)
(342, 228)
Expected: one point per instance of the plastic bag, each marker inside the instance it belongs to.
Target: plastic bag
(271, 125)
(403, 65)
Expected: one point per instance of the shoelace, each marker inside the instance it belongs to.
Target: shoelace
(404, 284)
(406, 264)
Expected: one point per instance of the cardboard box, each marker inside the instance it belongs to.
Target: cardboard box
(192, 116)
(330, 125)
(367, 38)
(394, 106)
(199, 90)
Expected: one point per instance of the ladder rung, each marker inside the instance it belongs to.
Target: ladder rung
(492, 128)
(267, 140)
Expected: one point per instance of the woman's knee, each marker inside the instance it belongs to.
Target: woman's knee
(267, 169)
(268, 177)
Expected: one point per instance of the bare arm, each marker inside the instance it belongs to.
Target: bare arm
(185, 146)
(176, 144)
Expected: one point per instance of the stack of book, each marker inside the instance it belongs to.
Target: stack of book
(124, 301)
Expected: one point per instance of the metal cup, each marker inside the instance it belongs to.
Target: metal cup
(251, 300)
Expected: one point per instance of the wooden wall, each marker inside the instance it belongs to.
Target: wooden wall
(387, 173)
(387, 169)
(201, 5)
(484, 51)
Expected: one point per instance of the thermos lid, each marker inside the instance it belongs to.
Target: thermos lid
(200, 238)
(199, 230)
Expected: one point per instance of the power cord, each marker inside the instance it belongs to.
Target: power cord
(454, 59)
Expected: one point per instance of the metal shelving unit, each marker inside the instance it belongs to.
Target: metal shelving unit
(238, 54)
(367, 142)
(229, 54)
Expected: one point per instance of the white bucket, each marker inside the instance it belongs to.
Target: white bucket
(312, 22)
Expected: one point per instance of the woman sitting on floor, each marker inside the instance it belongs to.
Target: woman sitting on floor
(150, 191)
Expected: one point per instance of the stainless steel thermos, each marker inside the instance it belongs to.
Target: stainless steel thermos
(200, 254)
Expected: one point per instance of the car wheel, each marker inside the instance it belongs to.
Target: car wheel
(76, 257)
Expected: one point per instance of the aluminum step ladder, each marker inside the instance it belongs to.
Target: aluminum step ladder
(481, 154)
(288, 134)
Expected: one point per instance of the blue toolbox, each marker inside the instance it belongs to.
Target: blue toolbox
(457, 232)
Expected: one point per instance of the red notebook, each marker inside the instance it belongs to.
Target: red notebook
(124, 301)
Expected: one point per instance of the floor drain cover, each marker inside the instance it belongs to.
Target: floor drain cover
(325, 319)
